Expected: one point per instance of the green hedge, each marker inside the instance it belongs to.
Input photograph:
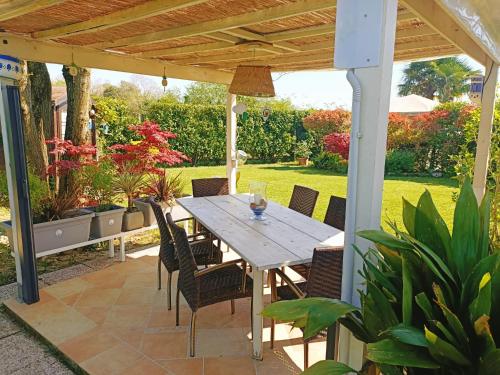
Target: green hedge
(201, 131)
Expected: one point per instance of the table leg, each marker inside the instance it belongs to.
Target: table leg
(111, 249)
(122, 249)
(258, 322)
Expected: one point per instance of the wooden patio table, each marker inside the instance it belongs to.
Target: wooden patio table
(284, 238)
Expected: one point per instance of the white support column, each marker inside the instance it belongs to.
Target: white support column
(231, 124)
(375, 96)
(485, 128)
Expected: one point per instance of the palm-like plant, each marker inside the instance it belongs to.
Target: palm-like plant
(432, 299)
(446, 78)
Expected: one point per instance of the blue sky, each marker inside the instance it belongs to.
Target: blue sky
(319, 89)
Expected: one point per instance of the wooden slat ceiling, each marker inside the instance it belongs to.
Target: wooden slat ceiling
(214, 34)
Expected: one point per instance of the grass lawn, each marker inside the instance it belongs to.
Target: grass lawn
(282, 177)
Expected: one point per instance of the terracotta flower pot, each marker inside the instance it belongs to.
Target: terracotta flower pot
(303, 161)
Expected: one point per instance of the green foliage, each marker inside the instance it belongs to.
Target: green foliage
(432, 298)
(98, 181)
(206, 93)
(201, 132)
(302, 149)
(39, 190)
(330, 161)
(445, 78)
(398, 162)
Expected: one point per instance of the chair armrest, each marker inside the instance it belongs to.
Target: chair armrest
(216, 267)
(299, 293)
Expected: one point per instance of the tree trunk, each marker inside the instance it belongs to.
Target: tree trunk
(78, 96)
(36, 109)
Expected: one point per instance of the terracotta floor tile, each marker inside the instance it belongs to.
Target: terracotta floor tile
(131, 336)
(107, 278)
(135, 266)
(230, 365)
(144, 366)
(166, 318)
(71, 299)
(68, 288)
(96, 314)
(143, 280)
(98, 297)
(88, 345)
(127, 316)
(137, 296)
(112, 361)
(221, 342)
(193, 366)
(276, 362)
(167, 345)
(57, 322)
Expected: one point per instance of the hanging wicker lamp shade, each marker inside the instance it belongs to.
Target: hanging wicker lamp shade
(251, 80)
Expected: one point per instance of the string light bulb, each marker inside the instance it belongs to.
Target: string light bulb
(164, 80)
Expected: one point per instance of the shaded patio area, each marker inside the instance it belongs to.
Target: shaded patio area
(115, 321)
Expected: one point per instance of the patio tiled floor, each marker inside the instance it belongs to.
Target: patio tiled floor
(115, 321)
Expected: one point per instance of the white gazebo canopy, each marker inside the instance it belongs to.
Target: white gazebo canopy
(411, 104)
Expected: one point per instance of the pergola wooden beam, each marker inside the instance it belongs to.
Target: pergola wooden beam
(434, 16)
(264, 15)
(186, 49)
(248, 35)
(321, 50)
(17, 8)
(47, 52)
(132, 14)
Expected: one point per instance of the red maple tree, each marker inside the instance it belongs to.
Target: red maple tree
(68, 157)
(149, 153)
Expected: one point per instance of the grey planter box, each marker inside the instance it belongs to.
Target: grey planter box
(132, 220)
(149, 217)
(106, 223)
(58, 233)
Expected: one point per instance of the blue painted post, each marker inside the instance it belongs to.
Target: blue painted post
(17, 179)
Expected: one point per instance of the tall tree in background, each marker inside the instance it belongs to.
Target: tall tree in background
(206, 93)
(78, 97)
(36, 109)
(445, 79)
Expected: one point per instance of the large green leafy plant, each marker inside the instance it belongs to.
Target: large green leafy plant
(432, 298)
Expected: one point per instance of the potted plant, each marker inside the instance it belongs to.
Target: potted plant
(432, 299)
(164, 188)
(57, 219)
(302, 153)
(99, 191)
(147, 156)
(130, 183)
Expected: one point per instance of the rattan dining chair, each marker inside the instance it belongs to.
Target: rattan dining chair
(325, 280)
(204, 249)
(335, 213)
(303, 200)
(209, 187)
(335, 217)
(223, 282)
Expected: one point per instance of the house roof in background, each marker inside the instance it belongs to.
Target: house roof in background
(412, 104)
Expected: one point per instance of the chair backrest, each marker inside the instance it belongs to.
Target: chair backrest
(303, 200)
(325, 276)
(167, 249)
(335, 213)
(207, 187)
(187, 264)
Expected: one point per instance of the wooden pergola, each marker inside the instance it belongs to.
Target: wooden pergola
(205, 40)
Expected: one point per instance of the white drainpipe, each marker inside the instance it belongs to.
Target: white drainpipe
(350, 225)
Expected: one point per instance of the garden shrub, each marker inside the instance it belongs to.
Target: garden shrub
(399, 162)
(337, 143)
(323, 122)
(201, 132)
(330, 161)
